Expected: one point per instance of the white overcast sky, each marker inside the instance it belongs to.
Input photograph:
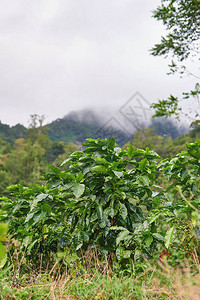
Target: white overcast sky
(62, 55)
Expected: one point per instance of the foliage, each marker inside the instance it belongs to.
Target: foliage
(163, 145)
(180, 205)
(107, 209)
(59, 151)
(181, 19)
(171, 106)
(101, 200)
(10, 134)
(167, 128)
(3, 238)
(71, 130)
(107, 199)
(36, 218)
(25, 162)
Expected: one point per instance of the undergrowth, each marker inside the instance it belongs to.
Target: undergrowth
(156, 282)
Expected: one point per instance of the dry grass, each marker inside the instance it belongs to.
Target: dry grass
(158, 282)
(175, 283)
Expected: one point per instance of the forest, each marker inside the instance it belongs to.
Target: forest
(85, 217)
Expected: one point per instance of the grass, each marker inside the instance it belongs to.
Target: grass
(161, 282)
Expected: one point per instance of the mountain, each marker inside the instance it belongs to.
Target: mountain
(79, 125)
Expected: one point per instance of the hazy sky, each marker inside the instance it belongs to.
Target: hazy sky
(62, 55)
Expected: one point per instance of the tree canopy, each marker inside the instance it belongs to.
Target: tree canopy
(181, 43)
(182, 21)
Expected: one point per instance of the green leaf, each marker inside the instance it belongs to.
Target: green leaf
(158, 236)
(98, 169)
(29, 217)
(46, 208)
(169, 237)
(111, 143)
(84, 236)
(143, 164)
(78, 189)
(54, 169)
(30, 246)
(3, 261)
(144, 180)
(116, 207)
(130, 151)
(109, 212)
(3, 229)
(123, 211)
(101, 161)
(138, 255)
(2, 251)
(67, 186)
(118, 253)
(148, 240)
(99, 212)
(153, 217)
(39, 216)
(16, 207)
(27, 241)
(118, 174)
(103, 222)
(79, 246)
(39, 198)
(65, 161)
(121, 236)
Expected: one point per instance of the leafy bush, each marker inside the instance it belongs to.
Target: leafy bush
(107, 200)
(180, 203)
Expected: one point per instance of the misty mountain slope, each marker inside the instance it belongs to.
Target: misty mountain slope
(88, 123)
(70, 130)
(79, 125)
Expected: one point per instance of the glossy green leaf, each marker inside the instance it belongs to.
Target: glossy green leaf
(2, 251)
(130, 151)
(121, 236)
(169, 237)
(39, 198)
(144, 180)
(118, 174)
(98, 169)
(123, 211)
(142, 164)
(78, 190)
(99, 212)
(148, 240)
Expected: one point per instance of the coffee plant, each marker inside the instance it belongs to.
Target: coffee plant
(180, 203)
(108, 199)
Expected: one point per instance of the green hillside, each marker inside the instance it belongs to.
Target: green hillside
(11, 133)
(71, 130)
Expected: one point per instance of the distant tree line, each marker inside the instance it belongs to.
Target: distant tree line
(26, 153)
